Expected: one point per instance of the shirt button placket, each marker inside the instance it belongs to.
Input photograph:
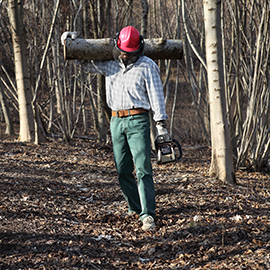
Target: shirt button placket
(123, 89)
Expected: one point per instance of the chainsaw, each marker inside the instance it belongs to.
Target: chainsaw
(168, 149)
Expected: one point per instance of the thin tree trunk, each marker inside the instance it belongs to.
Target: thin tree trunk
(187, 44)
(92, 103)
(222, 161)
(174, 98)
(38, 125)
(102, 129)
(5, 109)
(144, 18)
(27, 130)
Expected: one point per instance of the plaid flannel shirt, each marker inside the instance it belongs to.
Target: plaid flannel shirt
(136, 86)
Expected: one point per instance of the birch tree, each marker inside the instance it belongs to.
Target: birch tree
(27, 131)
(222, 162)
(246, 54)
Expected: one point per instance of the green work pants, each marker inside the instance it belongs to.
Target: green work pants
(131, 145)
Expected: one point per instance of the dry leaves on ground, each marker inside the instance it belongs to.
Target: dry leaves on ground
(61, 208)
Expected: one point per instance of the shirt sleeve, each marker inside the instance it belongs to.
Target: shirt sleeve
(95, 67)
(155, 92)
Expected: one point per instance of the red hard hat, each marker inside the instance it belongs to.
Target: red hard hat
(129, 39)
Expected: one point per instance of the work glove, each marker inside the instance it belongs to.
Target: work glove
(161, 128)
(162, 135)
(65, 35)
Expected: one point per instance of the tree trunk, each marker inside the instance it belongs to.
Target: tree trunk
(39, 135)
(101, 49)
(27, 131)
(222, 161)
(99, 15)
(102, 129)
(5, 109)
(144, 17)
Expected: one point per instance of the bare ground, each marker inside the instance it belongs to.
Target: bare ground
(61, 208)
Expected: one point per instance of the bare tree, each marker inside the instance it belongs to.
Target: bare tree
(247, 40)
(191, 47)
(222, 162)
(27, 131)
(66, 93)
(5, 109)
(99, 19)
(144, 17)
(38, 125)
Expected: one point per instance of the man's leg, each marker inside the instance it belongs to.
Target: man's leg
(138, 136)
(124, 164)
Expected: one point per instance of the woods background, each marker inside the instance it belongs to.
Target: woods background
(63, 100)
(60, 203)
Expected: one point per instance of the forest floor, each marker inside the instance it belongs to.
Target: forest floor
(61, 208)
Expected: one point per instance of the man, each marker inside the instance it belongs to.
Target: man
(133, 87)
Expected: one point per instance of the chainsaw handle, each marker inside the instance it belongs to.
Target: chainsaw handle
(179, 147)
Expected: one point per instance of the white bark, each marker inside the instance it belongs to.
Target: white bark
(21, 70)
(222, 161)
(101, 49)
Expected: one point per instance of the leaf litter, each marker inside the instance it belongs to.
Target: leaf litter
(61, 208)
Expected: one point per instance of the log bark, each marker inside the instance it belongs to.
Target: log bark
(101, 49)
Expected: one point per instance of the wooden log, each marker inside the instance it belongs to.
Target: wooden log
(101, 49)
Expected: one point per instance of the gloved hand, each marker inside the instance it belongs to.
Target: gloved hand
(161, 128)
(162, 136)
(65, 35)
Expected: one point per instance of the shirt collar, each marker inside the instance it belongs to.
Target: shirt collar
(130, 65)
